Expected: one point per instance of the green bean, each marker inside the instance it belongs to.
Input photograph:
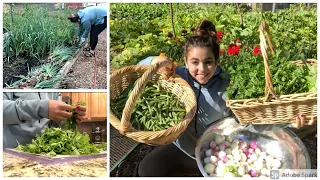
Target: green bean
(156, 109)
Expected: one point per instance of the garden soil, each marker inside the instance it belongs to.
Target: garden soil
(81, 74)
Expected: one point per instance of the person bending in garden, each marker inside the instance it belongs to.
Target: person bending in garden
(201, 71)
(94, 20)
(28, 114)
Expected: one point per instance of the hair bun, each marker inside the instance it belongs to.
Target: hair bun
(206, 28)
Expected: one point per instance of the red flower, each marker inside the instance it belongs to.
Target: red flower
(233, 49)
(170, 35)
(256, 51)
(184, 31)
(219, 35)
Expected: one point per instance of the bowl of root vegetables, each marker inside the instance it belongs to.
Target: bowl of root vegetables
(227, 149)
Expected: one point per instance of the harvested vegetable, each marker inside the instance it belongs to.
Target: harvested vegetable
(237, 159)
(156, 109)
(56, 141)
(70, 123)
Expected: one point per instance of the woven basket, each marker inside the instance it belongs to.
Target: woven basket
(122, 78)
(273, 109)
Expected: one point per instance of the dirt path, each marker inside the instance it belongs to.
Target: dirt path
(81, 75)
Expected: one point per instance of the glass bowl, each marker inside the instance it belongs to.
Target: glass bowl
(282, 144)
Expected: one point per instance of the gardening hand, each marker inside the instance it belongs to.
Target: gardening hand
(83, 41)
(58, 110)
(168, 69)
(300, 121)
(81, 113)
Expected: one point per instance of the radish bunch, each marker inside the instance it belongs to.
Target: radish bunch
(228, 157)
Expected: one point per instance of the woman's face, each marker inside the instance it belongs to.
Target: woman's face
(201, 64)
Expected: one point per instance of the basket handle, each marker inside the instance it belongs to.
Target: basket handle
(125, 124)
(269, 90)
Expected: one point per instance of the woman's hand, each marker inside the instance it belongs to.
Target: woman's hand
(81, 113)
(58, 110)
(168, 69)
(300, 121)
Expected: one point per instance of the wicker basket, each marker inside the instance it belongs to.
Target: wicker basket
(273, 109)
(122, 78)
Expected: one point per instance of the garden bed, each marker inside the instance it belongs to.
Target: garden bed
(38, 42)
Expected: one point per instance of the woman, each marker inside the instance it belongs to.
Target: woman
(207, 79)
(94, 20)
(28, 114)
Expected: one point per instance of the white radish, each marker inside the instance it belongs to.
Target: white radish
(224, 159)
(228, 151)
(258, 165)
(269, 158)
(253, 157)
(220, 170)
(205, 144)
(206, 160)
(209, 152)
(220, 163)
(257, 151)
(209, 168)
(213, 159)
(219, 140)
(243, 157)
(276, 163)
(222, 146)
(265, 171)
(222, 154)
(263, 155)
(230, 163)
(230, 157)
(241, 171)
(235, 152)
(237, 157)
(229, 139)
(234, 146)
(213, 144)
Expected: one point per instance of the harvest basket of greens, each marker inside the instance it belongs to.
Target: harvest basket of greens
(149, 108)
(281, 108)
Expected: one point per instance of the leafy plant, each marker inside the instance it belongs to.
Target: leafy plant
(137, 37)
(41, 77)
(36, 30)
(70, 123)
(55, 141)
